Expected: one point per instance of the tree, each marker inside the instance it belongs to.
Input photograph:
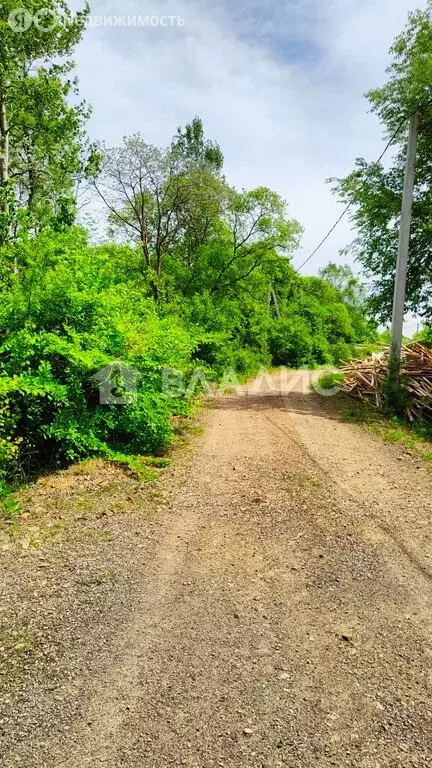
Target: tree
(145, 197)
(259, 233)
(352, 294)
(163, 199)
(191, 145)
(376, 192)
(346, 283)
(41, 135)
(191, 226)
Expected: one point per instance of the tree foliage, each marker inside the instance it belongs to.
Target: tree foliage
(186, 279)
(376, 191)
(190, 144)
(43, 148)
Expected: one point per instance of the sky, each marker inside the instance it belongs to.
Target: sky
(278, 83)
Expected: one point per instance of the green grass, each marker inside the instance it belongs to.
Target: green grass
(330, 380)
(155, 461)
(138, 465)
(9, 508)
(415, 436)
(19, 642)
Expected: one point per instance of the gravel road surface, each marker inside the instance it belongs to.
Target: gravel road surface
(268, 602)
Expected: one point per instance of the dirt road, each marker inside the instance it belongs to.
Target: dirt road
(274, 608)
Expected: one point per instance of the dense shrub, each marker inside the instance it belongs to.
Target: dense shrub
(203, 277)
(72, 309)
(67, 317)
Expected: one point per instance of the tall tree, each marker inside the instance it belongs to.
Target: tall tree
(259, 233)
(144, 195)
(41, 134)
(159, 198)
(191, 144)
(186, 218)
(342, 278)
(376, 191)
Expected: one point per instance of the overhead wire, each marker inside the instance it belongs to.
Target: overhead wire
(349, 206)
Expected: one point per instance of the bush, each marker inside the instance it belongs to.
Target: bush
(66, 319)
(291, 342)
(72, 310)
(329, 381)
(342, 352)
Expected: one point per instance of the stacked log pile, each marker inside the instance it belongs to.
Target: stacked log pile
(366, 379)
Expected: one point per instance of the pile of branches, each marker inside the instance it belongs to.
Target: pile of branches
(367, 379)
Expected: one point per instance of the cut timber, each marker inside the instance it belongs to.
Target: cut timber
(365, 379)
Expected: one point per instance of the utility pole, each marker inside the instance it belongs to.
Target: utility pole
(402, 258)
(272, 296)
(276, 303)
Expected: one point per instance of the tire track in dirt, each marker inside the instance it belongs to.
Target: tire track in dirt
(270, 624)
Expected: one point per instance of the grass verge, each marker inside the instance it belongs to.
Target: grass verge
(415, 436)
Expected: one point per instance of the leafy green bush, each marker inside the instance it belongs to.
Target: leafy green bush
(72, 310)
(329, 381)
(291, 342)
(68, 317)
(342, 352)
(203, 278)
(229, 332)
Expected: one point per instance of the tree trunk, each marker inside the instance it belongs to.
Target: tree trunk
(32, 188)
(147, 258)
(144, 241)
(4, 152)
(159, 260)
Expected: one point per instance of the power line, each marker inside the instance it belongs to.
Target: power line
(345, 211)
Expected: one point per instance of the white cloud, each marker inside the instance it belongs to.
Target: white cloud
(279, 87)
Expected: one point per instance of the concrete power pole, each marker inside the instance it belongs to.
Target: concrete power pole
(272, 297)
(402, 258)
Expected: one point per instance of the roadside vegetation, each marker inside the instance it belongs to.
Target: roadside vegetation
(374, 191)
(414, 437)
(191, 273)
(177, 271)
